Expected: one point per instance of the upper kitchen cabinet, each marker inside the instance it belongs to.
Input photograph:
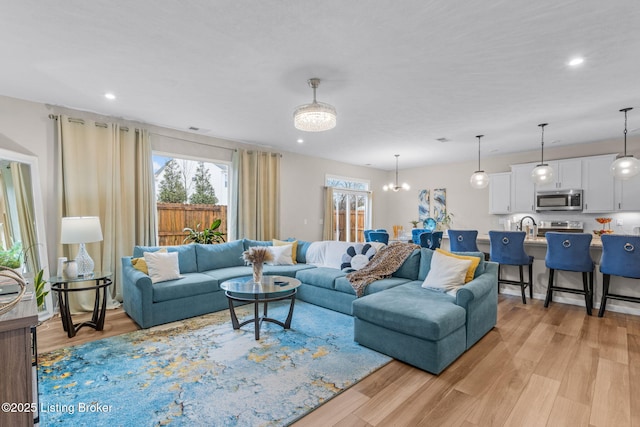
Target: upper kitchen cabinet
(597, 184)
(627, 194)
(567, 174)
(522, 188)
(500, 193)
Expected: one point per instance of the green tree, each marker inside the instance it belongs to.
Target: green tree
(204, 193)
(171, 187)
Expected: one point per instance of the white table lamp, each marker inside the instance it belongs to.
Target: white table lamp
(81, 230)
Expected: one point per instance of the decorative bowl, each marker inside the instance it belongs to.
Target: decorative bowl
(604, 220)
(601, 232)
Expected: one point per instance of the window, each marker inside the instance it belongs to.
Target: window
(189, 193)
(351, 207)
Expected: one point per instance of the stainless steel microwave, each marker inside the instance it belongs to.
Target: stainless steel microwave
(559, 200)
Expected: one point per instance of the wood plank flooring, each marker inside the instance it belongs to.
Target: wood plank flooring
(537, 367)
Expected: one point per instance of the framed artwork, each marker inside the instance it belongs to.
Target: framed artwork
(439, 203)
(423, 205)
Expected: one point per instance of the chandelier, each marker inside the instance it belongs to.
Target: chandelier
(626, 166)
(479, 179)
(543, 173)
(317, 116)
(396, 187)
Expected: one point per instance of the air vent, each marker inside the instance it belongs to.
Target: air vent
(443, 139)
(193, 128)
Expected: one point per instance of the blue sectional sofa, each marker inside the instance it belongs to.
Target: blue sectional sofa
(396, 316)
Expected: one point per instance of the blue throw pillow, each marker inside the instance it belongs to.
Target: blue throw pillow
(247, 243)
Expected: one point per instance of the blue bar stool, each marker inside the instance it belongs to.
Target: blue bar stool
(620, 257)
(570, 252)
(379, 236)
(463, 240)
(431, 240)
(507, 248)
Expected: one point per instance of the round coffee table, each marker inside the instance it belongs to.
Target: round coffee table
(272, 288)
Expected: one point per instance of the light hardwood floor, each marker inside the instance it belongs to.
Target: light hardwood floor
(546, 367)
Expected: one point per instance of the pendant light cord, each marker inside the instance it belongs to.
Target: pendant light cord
(479, 136)
(542, 125)
(397, 155)
(625, 128)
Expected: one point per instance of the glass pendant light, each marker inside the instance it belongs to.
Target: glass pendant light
(626, 166)
(394, 186)
(479, 179)
(543, 173)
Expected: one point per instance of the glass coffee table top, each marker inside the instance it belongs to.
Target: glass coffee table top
(268, 285)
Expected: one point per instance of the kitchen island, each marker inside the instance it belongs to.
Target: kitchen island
(537, 247)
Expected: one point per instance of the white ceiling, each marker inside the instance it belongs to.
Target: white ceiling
(401, 74)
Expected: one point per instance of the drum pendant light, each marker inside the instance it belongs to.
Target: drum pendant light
(626, 166)
(479, 179)
(543, 173)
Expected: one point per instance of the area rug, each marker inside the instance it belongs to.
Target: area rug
(200, 372)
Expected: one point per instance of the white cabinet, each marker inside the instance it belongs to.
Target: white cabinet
(567, 174)
(500, 193)
(627, 196)
(597, 184)
(522, 188)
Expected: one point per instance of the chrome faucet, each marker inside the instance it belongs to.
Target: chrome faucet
(525, 217)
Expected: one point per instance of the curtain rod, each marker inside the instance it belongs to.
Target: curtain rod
(81, 121)
(195, 142)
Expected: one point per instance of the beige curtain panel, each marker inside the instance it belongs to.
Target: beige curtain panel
(258, 195)
(106, 171)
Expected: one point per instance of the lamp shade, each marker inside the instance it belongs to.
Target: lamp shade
(479, 180)
(80, 229)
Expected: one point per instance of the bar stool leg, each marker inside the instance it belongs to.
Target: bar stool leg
(591, 289)
(499, 268)
(522, 285)
(605, 291)
(587, 297)
(531, 281)
(549, 297)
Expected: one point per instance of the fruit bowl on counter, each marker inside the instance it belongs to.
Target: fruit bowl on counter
(606, 226)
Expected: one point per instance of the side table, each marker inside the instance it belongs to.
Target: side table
(61, 286)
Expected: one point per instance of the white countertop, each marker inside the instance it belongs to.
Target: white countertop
(596, 242)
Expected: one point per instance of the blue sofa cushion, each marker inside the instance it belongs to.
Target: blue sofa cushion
(211, 257)
(285, 270)
(247, 243)
(186, 255)
(323, 277)
(342, 284)
(190, 284)
(409, 268)
(220, 275)
(412, 310)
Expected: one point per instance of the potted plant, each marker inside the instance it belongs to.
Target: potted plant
(40, 286)
(207, 236)
(446, 221)
(12, 257)
(414, 223)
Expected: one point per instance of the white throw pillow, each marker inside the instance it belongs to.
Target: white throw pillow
(446, 273)
(281, 255)
(162, 266)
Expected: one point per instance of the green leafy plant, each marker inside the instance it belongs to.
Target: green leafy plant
(207, 236)
(40, 284)
(12, 257)
(414, 223)
(446, 221)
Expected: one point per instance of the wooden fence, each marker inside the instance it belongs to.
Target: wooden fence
(356, 226)
(175, 217)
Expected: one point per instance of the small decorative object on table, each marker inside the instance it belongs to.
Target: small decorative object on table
(257, 256)
(606, 226)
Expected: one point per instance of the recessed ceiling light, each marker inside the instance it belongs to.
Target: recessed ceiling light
(109, 95)
(576, 61)
(300, 140)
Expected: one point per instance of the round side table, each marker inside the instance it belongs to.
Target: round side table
(101, 280)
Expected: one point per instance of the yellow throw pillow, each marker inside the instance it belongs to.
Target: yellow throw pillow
(475, 261)
(294, 247)
(141, 264)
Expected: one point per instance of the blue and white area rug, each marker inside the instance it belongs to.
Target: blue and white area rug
(200, 372)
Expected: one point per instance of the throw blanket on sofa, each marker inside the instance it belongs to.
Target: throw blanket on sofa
(382, 265)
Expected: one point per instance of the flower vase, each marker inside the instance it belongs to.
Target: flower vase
(257, 273)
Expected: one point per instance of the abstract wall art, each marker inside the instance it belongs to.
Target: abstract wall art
(423, 205)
